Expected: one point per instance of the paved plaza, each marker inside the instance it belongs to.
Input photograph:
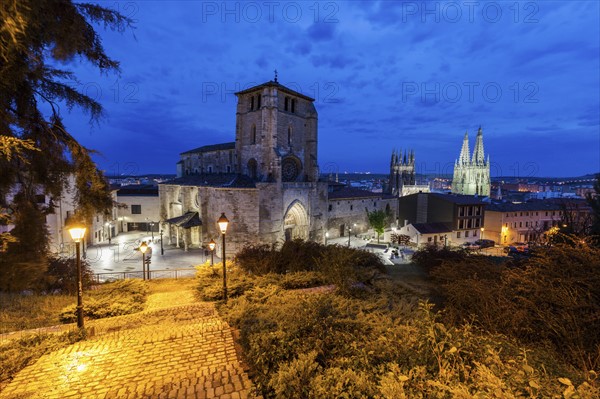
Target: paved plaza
(168, 351)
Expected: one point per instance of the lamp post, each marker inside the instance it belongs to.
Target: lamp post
(223, 223)
(77, 233)
(211, 245)
(349, 234)
(162, 250)
(143, 249)
(482, 230)
(152, 230)
(326, 237)
(107, 224)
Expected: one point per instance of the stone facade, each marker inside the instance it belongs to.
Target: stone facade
(347, 209)
(472, 174)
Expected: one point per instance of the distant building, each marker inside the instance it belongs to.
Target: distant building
(462, 215)
(506, 223)
(472, 174)
(138, 209)
(402, 179)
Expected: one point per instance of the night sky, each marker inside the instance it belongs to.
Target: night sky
(385, 75)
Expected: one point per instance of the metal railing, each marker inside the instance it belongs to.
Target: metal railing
(165, 273)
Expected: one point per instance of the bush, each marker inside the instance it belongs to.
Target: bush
(327, 346)
(62, 275)
(337, 265)
(112, 299)
(552, 297)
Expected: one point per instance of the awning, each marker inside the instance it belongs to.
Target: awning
(189, 219)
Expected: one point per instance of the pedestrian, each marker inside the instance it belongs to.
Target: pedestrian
(109, 240)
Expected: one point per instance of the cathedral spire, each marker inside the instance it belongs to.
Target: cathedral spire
(463, 158)
(478, 156)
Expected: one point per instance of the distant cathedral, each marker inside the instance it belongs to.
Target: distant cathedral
(402, 175)
(472, 173)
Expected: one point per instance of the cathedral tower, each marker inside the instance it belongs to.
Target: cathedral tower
(472, 173)
(276, 134)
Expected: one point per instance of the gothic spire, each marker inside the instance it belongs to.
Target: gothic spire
(478, 156)
(463, 158)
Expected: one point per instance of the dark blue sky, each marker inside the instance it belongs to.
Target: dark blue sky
(385, 75)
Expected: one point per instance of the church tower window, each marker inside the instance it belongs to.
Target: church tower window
(293, 106)
(285, 103)
(252, 103)
(253, 134)
(258, 101)
(289, 138)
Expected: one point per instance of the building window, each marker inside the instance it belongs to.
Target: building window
(293, 105)
(252, 103)
(258, 98)
(285, 103)
(228, 169)
(136, 209)
(289, 135)
(458, 234)
(467, 234)
(253, 134)
(330, 207)
(210, 169)
(428, 239)
(461, 211)
(351, 207)
(520, 224)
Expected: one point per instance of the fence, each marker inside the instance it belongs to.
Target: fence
(166, 273)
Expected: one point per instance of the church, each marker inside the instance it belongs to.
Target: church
(472, 173)
(266, 182)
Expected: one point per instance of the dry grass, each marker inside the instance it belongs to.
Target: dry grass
(23, 312)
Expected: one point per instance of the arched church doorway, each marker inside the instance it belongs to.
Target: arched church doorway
(295, 225)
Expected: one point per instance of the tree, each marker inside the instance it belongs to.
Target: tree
(377, 220)
(593, 200)
(37, 153)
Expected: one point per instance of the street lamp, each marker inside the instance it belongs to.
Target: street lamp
(211, 245)
(77, 233)
(162, 250)
(107, 224)
(223, 223)
(482, 230)
(326, 237)
(349, 234)
(152, 230)
(143, 249)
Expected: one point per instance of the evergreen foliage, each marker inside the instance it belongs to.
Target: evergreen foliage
(37, 153)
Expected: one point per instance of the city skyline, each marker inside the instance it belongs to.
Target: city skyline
(386, 75)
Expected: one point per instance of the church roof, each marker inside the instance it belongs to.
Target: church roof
(212, 147)
(231, 180)
(138, 190)
(277, 85)
(190, 219)
(432, 228)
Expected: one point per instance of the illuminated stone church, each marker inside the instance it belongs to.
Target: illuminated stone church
(472, 173)
(266, 182)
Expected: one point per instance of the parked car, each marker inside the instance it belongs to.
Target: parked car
(521, 246)
(471, 245)
(483, 243)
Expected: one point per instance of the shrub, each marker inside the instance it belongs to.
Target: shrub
(328, 346)
(552, 297)
(112, 299)
(62, 275)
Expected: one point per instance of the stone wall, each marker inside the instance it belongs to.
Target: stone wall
(346, 212)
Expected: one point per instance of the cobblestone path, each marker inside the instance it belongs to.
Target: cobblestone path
(186, 351)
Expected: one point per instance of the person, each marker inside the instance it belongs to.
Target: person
(108, 240)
